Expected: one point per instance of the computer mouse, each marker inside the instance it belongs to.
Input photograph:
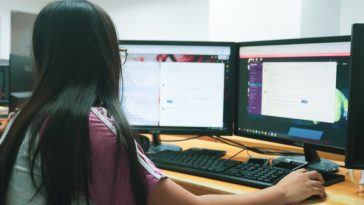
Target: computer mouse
(314, 197)
(144, 142)
(317, 197)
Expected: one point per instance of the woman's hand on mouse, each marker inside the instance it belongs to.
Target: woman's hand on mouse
(301, 184)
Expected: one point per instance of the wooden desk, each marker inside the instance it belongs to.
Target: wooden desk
(3, 122)
(342, 193)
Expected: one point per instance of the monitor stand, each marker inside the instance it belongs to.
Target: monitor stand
(313, 159)
(157, 146)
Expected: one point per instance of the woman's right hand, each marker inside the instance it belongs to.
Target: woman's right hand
(301, 184)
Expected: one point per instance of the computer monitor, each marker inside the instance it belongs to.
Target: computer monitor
(179, 87)
(295, 92)
(4, 82)
(21, 74)
(355, 147)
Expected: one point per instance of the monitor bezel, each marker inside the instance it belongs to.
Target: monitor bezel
(354, 105)
(296, 142)
(4, 69)
(230, 85)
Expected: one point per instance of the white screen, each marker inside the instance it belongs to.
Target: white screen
(140, 94)
(179, 86)
(300, 90)
(192, 94)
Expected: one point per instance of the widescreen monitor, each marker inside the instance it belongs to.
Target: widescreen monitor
(177, 87)
(295, 92)
(4, 82)
(355, 146)
(21, 75)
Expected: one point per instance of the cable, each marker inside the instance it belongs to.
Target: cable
(361, 180)
(260, 150)
(231, 141)
(254, 149)
(247, 152)
(226, 142)
(266, 150)
(242, 150)
(279, 150)
(186, 139)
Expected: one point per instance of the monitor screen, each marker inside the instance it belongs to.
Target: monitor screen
(21, 74)
(295, 91)
(4, 82)
(179, 87)
(355, 146)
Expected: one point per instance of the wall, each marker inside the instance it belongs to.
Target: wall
(320, 18)
(159, 19)
(1, 33)
(134, 19)
(21, 32)
(217, 20)
(352, 11)
(5, 12)
(4, 30)
(247, 20)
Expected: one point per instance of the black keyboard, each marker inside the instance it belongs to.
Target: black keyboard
(249, 174)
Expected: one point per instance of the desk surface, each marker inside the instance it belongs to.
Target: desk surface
(342, 193)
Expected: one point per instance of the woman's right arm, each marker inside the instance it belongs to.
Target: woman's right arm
(295, 187)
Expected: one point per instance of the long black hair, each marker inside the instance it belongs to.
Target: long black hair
(76, 57)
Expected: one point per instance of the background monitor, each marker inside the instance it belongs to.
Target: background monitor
(179, 87)
(355, 146)
(295, 92)
(4, 82)
(21, 78)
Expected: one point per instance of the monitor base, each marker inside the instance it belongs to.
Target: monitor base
(322, 165)
(157, 146)
(163, 147)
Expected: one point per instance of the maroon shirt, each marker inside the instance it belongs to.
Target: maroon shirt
(105, 186)
(103, 148)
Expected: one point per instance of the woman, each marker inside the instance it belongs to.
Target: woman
(71, 143)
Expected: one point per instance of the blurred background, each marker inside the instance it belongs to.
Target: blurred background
(207, 20)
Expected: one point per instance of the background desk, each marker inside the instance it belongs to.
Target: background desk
(342, 193)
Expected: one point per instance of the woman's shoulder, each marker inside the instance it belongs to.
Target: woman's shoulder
(99, 116)
(101, 126)
(100, 113)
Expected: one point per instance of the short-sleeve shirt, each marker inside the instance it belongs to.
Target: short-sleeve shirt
(105, 186)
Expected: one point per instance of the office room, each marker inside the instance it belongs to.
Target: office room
(187, 102)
